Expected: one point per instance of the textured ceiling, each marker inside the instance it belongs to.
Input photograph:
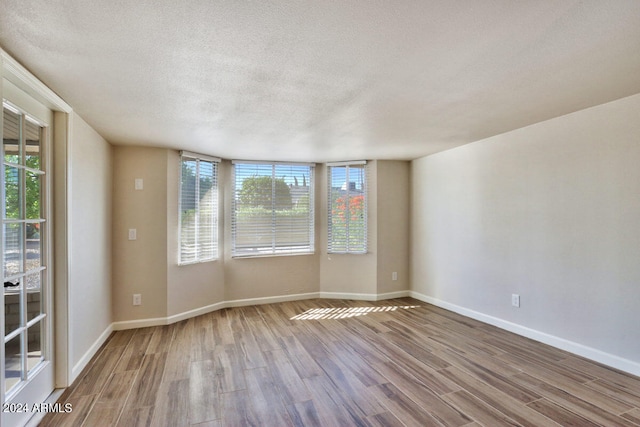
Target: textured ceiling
(324, 80)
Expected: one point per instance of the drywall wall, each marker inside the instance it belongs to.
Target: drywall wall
(369, 276)
(170, 291)
(194, 286)
(89, 237)
(350, 274)
(549, 212)
(393, 226)
(139, 266)
(263, 277)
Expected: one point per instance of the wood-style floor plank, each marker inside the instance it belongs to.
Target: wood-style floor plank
(100, 370)
(573, 403)
(110, 402)
(497, 399)
(131, 359)
(204, 391)
(494, 377)
(81, 405)
(267, 407)
(172, 404)
(560, 415)
(160, 337)
(229, 368)
(477, 409)
(342, 363)
(179, 352)
(145, 388)
(284, 375)
(403, 408)
(136, 417)
(424, 397)
(633, 415)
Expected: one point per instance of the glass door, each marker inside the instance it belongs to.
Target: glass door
(27, 373)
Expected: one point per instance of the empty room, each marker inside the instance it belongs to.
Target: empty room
(291, 213)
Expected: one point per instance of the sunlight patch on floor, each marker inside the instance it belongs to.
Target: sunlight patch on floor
(346, 312)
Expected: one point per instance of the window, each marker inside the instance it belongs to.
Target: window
(24, 228)
(198, 208)
(272, 209)
(347, 219)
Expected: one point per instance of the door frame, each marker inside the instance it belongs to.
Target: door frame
(13, 72)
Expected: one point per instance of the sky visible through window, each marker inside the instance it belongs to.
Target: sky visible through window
(338, 178)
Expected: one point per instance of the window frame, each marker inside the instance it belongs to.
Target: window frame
(362, 246)
(303, 247)
(200, 251)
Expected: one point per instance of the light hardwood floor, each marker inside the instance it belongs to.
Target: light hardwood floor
(341, 363)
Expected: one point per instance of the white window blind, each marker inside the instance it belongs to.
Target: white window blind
(272, 209)
(198, 208)
(347, 205)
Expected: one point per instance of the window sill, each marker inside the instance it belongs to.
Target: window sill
(181, 264)
(348, 253)
(271, 255)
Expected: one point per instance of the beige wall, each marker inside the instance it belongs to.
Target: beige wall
(189, 287)
(549, 212)
(351, 273)
(140, 266)
(370, 275)
(89, 237)
(149, 264)
(393, 226)
(249, 278)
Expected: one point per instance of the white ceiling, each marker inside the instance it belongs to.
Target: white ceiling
(324, 80)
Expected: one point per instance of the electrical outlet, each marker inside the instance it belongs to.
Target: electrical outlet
(133, 234)
(138, 184)
(515, 300)
(394, 275)
(137, 299)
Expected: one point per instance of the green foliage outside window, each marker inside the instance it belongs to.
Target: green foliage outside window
(32, 193)
(188, 204)
(272, 212)
(265, 192)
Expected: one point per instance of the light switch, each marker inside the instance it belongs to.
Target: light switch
(139, 184)
(132, 234)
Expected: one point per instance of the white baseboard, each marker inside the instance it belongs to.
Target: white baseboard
(159, 321)
(193, 313)
(364, 297)
(139, 323)
(392, 295)
(561, 343)
(341, 295)
(271, 300)
(86, 358)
